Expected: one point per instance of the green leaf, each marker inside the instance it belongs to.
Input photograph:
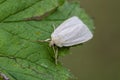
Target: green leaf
(22, 23)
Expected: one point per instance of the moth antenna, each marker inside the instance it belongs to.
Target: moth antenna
(47, 40)
(4, 76)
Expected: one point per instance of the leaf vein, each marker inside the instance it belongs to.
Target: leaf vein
(20, 11)
(3, 2)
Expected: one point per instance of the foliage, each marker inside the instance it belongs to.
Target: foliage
(22, 23)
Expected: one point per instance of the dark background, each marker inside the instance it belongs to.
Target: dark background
(99, 58)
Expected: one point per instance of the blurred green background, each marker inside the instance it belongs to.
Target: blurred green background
(99, 58)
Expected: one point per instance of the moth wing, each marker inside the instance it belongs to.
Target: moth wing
(71, 32)
(69, 23)
(80, 35)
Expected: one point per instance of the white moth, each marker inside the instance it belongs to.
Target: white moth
(71, 32)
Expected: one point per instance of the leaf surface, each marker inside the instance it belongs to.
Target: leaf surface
(22, 23)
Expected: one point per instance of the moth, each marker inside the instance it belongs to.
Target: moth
(71, 32)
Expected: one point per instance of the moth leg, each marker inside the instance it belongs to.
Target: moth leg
(56, 54)
(53, 27)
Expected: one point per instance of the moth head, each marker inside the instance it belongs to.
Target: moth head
(52, 43)
(55, 42)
